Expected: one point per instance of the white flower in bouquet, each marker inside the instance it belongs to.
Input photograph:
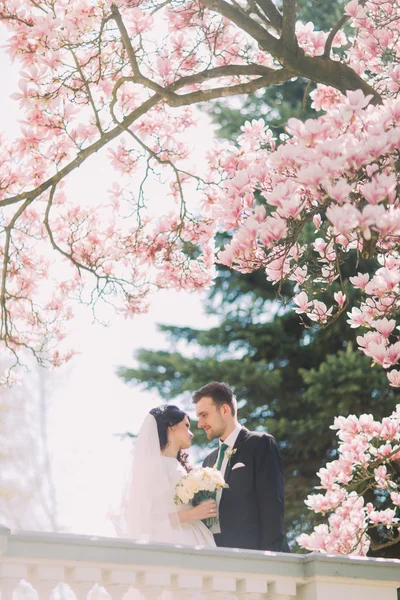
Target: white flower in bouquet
(199, 485)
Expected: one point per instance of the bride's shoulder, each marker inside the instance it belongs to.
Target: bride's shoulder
(173, 469)
(171, 462)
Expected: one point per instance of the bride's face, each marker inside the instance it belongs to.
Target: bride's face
(181, 434)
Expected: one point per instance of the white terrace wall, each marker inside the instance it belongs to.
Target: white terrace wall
(158, 571)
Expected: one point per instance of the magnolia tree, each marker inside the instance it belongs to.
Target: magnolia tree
(125, 76)
(362, 491)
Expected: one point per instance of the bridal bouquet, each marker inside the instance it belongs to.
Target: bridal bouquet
(199, 485)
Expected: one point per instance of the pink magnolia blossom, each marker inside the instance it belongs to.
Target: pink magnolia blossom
(324, 97)
(303, 305)
(317, 221)
(394, 377)
(255, 135)
(380, 187)
(319, 311)
(356, 318)
(381, 477)
(277, 269)
(360, 280)
(344, 218)
(272, 229)
(395, 498)
(384, 326)
(383, 517)
(348, 517)
(340, 191)
(340, 298)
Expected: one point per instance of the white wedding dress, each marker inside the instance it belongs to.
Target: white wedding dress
(190, 533)
(147, 511)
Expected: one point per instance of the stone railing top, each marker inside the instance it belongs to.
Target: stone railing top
(78, 549)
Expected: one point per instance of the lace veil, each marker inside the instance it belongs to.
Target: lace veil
(147, 510)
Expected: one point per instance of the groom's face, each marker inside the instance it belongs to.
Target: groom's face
(210, 418)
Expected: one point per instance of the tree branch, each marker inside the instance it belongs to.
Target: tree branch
(137, 75)
(332, 73)
(199, 96)
(391, 542)
(126, 41)
(328, 44)
(225, 71)
(289, 24)
(315, 68)
(271, 76)
(249, 87)
(273, 14)
(84, 154)
(266, 41)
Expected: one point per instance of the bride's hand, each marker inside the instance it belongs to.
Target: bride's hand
(205, 509)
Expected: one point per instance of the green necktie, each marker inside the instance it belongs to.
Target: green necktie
(222, 449)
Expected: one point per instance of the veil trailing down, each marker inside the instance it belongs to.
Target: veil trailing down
(147, 510)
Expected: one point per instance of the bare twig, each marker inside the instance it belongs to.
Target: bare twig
(89, 93)
(55, 246)
(6, 257)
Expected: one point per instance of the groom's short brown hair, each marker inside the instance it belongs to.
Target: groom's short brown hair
(220, 393)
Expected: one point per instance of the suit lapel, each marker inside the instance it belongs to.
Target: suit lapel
(241, 438)
(211, 459)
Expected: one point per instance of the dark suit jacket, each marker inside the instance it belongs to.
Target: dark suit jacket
(251, 509)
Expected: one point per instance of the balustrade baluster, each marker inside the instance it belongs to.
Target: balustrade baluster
(252, 589)
(10, 576)
(45, 578)
(151, 584)
(282, 590)
(220, 588)
(188, 587)
(117, 582)
(82, 579)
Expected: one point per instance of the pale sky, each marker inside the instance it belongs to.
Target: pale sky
(93, 404)
(90, 403)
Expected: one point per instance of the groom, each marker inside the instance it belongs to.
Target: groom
(251, 509)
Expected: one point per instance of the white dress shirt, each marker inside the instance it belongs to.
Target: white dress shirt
(230, 442)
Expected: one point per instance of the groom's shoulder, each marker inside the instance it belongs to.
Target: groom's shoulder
(258, 438)
(260, 434)
(210, 458)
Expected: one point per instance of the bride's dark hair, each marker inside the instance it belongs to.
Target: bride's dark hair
(166, 416)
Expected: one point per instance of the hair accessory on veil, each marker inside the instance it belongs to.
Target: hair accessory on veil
(147, 509)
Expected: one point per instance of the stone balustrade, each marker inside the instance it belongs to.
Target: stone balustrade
(40, 565)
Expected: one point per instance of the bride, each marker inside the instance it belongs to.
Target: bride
(148, 511)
